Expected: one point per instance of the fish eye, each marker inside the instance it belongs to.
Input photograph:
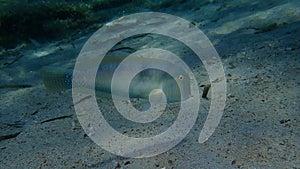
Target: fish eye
(180, 77)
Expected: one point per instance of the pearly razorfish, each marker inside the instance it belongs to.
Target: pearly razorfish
(60, 79)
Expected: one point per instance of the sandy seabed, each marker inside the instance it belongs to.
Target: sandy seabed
(259, 128)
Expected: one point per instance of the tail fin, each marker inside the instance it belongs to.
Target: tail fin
(57, 79)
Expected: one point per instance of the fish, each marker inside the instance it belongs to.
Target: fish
(176, 89)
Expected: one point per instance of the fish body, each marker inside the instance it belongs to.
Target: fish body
(60, 79)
